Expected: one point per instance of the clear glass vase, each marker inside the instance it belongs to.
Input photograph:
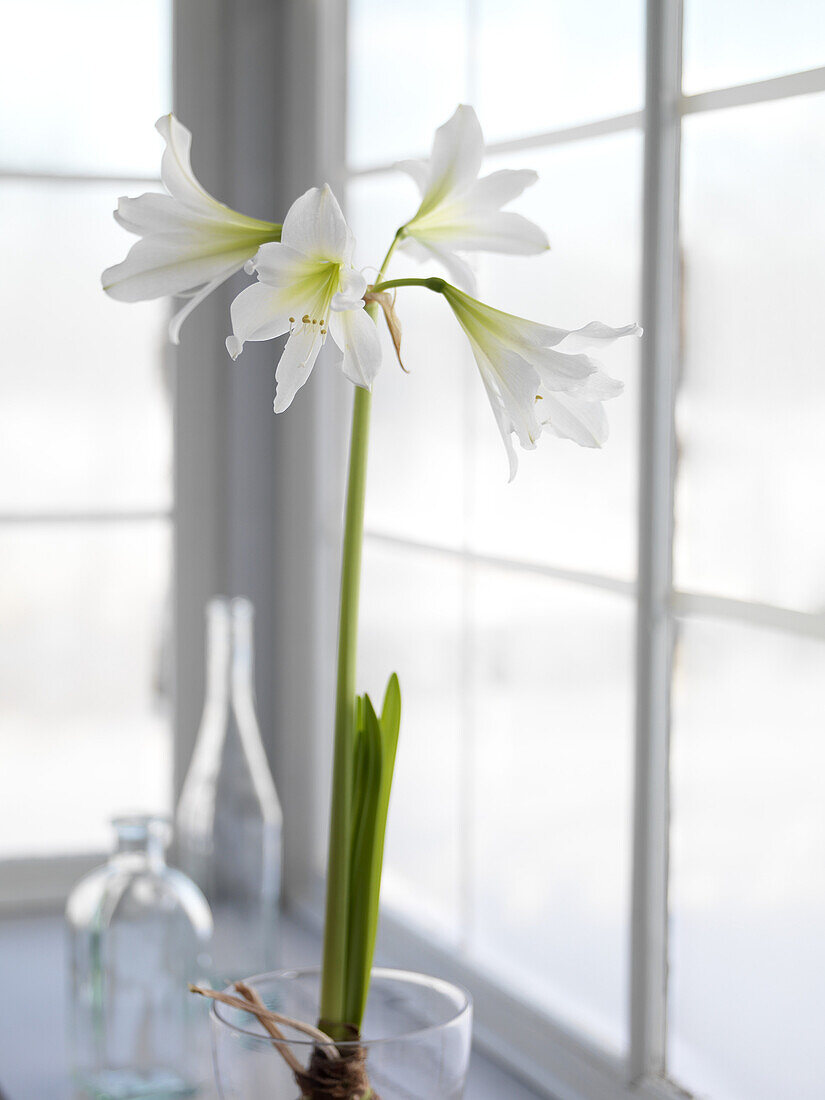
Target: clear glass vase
(416, 1038)
(139, 933)
(229, 821)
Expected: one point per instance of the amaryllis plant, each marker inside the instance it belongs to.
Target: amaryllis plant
(536, 376)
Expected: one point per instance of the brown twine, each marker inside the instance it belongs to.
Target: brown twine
(343, 1078)
(333, 1073)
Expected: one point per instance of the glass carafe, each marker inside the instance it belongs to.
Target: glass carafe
(139, 933)
(229, 820)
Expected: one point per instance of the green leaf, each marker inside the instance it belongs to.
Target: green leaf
(391, 717)
(361, 887)
(360, 778)
(376, 745)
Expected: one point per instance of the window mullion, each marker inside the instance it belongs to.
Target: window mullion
(660, 281)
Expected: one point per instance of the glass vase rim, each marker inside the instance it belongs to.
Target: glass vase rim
(410, 977)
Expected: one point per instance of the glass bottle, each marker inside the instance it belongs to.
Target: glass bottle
(229, 820)
(139, 933)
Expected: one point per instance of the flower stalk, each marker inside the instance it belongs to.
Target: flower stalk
(334, 975)
(337, 970)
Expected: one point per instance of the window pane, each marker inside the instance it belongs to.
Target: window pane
(84, 410)
(417, 456)
(82, 674)
(569, 506)
(740, 41)
(546, 64)
(395, 51)
(747, 891)
(750, 411)
(81, 84)
(412, 624)
(552, 700)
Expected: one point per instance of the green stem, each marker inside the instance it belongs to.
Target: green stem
(335, 927)
(399, 233)
(334, 971)
(431, 284)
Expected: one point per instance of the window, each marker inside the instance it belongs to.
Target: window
(605, 815)
(85, 430)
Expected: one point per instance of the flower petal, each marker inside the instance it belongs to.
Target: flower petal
(503, 422)
(355, 333)
(518, 331)
(282, 266)
(419, 170)
(316, 226)
(176, 168)
(169, 263)
(257, 313)
(153, 213)
(597, 333)
(559, 370)
(491, 231)
(351, 289)
(295, 365)
(570, 417)
(600, 387)
(517, 384)
(196, 299)
(496, 190)
(506, 327)
(458, 149)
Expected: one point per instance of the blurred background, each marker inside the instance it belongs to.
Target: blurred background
(608, 814)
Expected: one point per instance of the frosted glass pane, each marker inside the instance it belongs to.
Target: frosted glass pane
(752, 402)
(407, 74)
(81, 84)
(569, 506)
(84, 731)
(747, 890)
(85, 420)
(376, 207)
(545, 64)
(417, 454)
(412, 624)
(553, 706)
(739, 41)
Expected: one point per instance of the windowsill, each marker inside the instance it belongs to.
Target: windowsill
(33, 1052)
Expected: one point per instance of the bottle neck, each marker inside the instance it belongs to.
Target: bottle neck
(229, 651)
(141, 839)
(243, 645)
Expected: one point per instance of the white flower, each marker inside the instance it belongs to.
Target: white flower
(308, 287)
(535, 375)
(191, 243)
(460, 212)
